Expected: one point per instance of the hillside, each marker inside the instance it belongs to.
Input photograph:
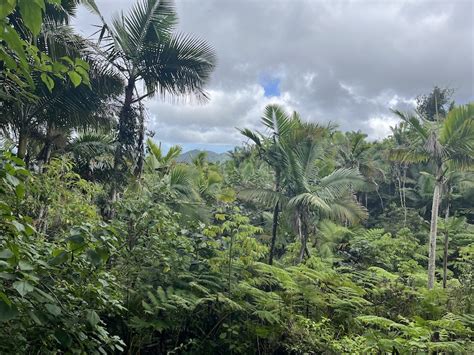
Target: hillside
(212, 157)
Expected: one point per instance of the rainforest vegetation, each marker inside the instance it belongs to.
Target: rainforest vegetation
(308, 240)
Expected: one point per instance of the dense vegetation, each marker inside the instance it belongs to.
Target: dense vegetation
(307, 240)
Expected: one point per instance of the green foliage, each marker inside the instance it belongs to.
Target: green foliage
(270, 252)
(52, 290)
(21, 58)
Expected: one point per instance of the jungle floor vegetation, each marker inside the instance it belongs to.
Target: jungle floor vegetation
(308, 240)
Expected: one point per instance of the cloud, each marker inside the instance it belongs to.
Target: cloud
(345, 61)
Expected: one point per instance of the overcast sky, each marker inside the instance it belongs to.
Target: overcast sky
(345, 61)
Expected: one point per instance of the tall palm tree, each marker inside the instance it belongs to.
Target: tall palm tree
(313, 195)
(305, 191)
(279, 125)
(454, 185)
(145, 49)
(445, 141)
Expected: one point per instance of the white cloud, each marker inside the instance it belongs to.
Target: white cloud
(379, 127)
(343, 61)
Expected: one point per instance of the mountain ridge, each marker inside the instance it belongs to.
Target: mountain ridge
(212, 157)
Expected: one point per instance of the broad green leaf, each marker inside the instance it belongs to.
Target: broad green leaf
(82, 64)
(7, 276)
(76, 79)
(48, 81)
(53, 309)
(32, 14)
(7, 59)
(92, 317)
(45, 295)
(6, 7)
(76, 241)
(17, 160)
(60, 258)
(7, 312)
(12, 179)
(35, 318)
(94, 257)
(20, 191)
(25, 266)
(59, 68)
(19, 227)
(67, 60)
(23, 287)
(6, 254)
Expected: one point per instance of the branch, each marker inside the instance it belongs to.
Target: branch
(142, 97)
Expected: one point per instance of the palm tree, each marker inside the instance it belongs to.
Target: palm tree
(446, 141)
(93, 154)
(53, 114)
(452, 191)
(280, 125)
(312, 195)
(144, 48)
(355, 153)
(305, 191)
(156, 160)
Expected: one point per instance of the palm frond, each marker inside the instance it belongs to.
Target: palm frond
(277, 120)
(413, 122)
(268, 198)
(407, 155)
(311, 200)
(254, 136)
(180, 66)
(347, 209)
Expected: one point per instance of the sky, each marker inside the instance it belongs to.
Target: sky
(344, 61)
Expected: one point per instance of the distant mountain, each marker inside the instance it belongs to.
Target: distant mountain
(212, 157)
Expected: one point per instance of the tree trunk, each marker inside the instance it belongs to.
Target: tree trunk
(276, 210)
(126, 137)
(433, 234)
(140, 143)
(303, 231)
(45, 154)
(126, 128)
(404, 195)
(446, 245)
(22, 143)
(300, 233)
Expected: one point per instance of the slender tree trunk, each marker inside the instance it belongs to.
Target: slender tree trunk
(446, 244)
(300, 233)
(404, 195)
(303, 231)
(126, 128)
(140, 143)
(45, 154)
(230, 262)
(126, 138)
(276, 211)
(22, 143)
(378, 194)
(433, 234)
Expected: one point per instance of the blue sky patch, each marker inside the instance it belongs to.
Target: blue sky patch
(271, 86)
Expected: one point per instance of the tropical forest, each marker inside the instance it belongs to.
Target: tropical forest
(305, 238)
